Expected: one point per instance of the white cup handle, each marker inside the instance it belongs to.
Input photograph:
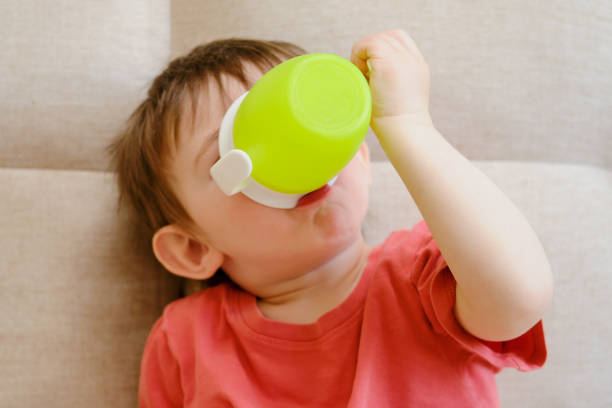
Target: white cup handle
(232, 171)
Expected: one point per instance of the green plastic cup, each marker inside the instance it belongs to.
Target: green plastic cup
(301, 123)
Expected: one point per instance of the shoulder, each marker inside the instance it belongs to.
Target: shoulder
(196, 314)
(408, 243)
(174, 342)
(412, 253)
(211, 297)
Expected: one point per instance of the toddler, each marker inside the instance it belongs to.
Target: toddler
(308, 315)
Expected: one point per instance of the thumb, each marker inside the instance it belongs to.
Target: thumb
(361, 54)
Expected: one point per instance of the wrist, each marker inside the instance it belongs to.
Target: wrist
(391, 130)
(387, 126)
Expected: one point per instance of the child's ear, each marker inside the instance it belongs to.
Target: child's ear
(185, 256)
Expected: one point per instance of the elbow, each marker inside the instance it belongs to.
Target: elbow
(532, 290)
(522, 309)
(531, 303)
(538, 286)
(506, 308)
(539, 292)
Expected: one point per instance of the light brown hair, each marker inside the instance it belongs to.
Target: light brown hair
(139, 152)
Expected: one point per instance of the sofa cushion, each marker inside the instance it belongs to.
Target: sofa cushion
(79, 292)
(570, 208)
(520, 80)
(72, 73)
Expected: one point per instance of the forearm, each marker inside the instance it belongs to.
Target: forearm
(499, 264)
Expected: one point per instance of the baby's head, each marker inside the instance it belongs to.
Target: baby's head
(163, 158)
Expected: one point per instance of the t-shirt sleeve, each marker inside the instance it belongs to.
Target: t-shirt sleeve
(160, 382)
(436, 285)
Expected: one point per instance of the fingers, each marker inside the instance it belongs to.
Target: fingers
(360, 55)
(409, 43)
(381, 45)
(367, 48)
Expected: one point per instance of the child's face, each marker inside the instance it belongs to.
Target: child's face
(262, 245)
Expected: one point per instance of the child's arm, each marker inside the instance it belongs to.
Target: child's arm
(504, 281)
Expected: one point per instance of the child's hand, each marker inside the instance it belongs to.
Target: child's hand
(398, 77)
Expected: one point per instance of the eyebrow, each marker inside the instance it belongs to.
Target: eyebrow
(209, 140)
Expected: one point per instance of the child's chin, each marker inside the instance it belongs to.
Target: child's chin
(336, 223)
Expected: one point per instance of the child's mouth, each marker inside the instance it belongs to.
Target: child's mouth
(314, 197)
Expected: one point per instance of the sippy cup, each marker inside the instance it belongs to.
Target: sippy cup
(294, 131)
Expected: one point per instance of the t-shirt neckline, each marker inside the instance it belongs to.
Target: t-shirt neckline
(343, 315)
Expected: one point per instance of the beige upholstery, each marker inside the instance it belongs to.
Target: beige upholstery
(523, 88)
(78, 294)
(520, 80)
(70, 74)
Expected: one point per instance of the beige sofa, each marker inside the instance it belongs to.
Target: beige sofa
(523, 88)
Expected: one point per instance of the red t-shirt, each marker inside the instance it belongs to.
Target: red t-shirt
(394, 342)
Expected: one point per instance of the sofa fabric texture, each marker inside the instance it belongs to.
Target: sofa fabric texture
(521, 88)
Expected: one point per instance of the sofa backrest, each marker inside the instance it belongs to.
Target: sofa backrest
(518, 80)
(79, 291)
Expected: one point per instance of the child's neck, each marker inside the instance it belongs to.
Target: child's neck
(307, 298)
